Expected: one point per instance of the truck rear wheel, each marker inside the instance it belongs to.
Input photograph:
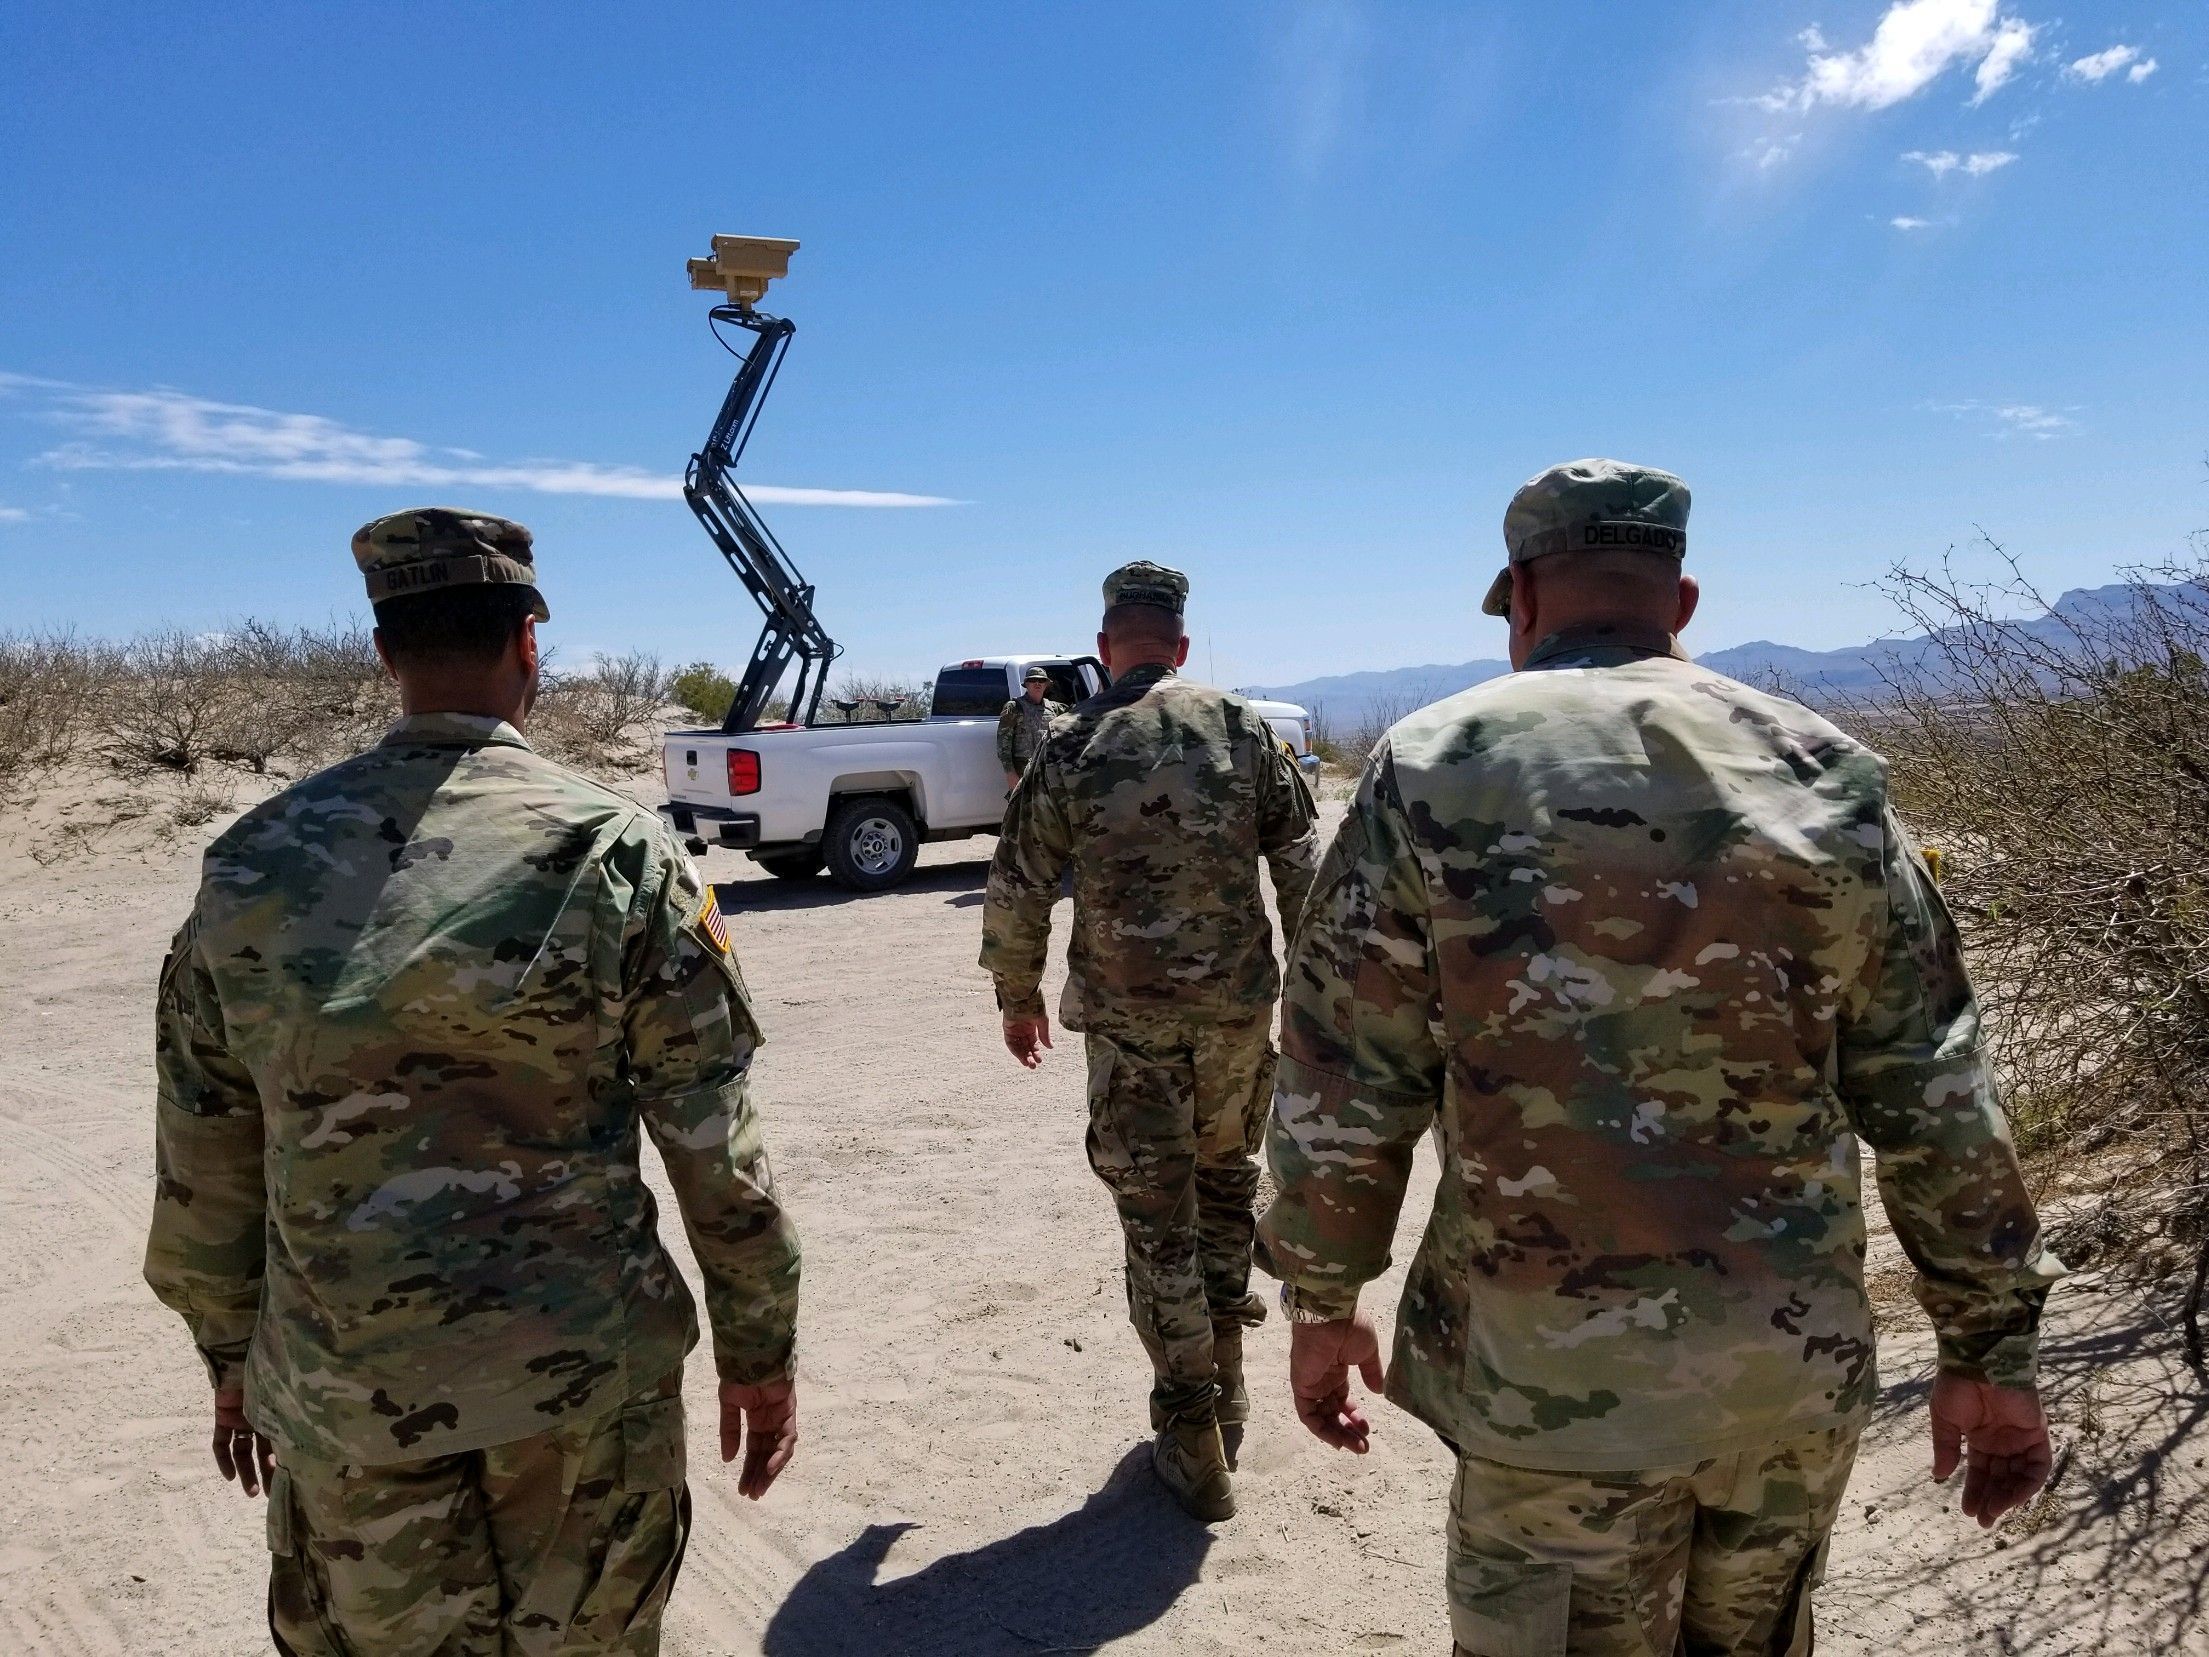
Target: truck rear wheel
(871, 843)
(802, 864)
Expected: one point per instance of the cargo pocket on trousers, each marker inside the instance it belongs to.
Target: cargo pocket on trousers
(1793, 1632)
(652, 1444)
(283, 1538)
(1109, 1157)
(1509, 1607)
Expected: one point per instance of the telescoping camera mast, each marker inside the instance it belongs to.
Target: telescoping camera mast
(739, 268)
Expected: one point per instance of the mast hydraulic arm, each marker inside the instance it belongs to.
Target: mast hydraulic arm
(792, 632)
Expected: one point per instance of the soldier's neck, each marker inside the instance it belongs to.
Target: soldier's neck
(465, 693)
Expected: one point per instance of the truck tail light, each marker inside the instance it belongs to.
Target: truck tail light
(743, 771)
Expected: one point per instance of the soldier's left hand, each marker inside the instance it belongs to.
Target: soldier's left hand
(240, 1453)
(1025, 1038)
(761, 1423)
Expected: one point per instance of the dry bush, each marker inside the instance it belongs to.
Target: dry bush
(167, 703)
(605, 716)
(1347, 739)
(46, 683)
(254, 696)
(2063, 773)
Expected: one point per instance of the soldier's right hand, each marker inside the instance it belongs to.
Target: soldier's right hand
(762, 1422)
(1025, 1038)
(2001, 1436)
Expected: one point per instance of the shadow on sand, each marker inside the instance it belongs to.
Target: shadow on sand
(1113, 1566)
(959, 883)
(2107, 1558)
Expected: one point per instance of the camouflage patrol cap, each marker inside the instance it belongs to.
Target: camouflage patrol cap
(429, 547)
(1036, 673)
(1591, 506)
(1143, 582)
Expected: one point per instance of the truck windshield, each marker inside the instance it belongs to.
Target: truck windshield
(969, 693)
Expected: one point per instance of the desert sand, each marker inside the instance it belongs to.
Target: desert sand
(970, 1481)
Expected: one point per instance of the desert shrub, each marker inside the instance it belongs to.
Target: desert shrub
(704, 689)
(46, 684)
(2063, 774)
(168, 702)
(1348, 737)
(604, 715)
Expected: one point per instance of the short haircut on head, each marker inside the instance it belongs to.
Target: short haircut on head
(1143, 624)
(1613, 578)
(453, 626)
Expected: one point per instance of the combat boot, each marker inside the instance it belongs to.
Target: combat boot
(1191, 1463)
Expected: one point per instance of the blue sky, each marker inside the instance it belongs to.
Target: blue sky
(1290, 296)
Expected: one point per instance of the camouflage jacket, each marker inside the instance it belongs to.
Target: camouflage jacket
(1020, 727)
(405, 1045)
(1647, 951)
(1163, 796)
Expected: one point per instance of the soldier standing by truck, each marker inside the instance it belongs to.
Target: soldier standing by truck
(1163, 796)
(1022, 722)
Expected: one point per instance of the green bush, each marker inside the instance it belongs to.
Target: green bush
(704, 689)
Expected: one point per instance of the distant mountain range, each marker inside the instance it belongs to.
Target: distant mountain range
(1352, 699)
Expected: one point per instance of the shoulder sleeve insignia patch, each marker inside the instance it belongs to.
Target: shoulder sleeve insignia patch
(711, 924)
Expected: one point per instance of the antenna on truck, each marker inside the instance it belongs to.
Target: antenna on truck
(740, 267)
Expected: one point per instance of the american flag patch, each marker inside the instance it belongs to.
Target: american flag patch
(711, 923)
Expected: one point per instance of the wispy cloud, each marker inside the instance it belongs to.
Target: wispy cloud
(2097, 67)
(2014, 419)
(13, 515)
(1914, 43)
(1903, 221)
(162, 430)
(1940, 163)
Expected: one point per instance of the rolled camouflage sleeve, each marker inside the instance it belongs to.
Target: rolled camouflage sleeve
(1033, 849)
(206, 1249)
(1361, 1072)
(1917, 1087)
(1288, 833)
(689, 1037)
(1008, 736)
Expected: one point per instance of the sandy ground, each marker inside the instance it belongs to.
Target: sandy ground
(972, 1400)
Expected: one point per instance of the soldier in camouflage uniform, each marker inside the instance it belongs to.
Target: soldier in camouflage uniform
(1647, 951)
(425, 1006)
(1022, 722)
(1163, 796)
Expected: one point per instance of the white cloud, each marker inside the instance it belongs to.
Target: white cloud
(2013, 44)
(1767, 153)
(1914, 43)
(2015, 419)
(2141, 70)
(2096, 67)
(1940, 163)
(172, 431)
(13, 515)
(1903, 221)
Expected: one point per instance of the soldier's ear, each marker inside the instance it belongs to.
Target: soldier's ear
(1181, 651)
(1691, 594)
(1104, 650)
(525, 643)
(376, 637)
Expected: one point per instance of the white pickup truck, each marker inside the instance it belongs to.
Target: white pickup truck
(860, 798)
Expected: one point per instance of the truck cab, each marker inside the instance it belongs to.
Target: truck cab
(860, 798)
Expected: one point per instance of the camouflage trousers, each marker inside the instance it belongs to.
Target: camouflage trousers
(1176, 1115)
(1713, 1559)
(566, 1542)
